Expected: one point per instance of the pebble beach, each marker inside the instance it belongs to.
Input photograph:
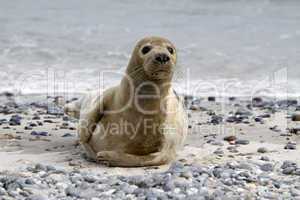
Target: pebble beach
(235, 150)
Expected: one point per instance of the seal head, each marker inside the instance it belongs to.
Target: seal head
(156, 57)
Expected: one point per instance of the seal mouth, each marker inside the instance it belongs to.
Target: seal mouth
(162, 70)
(161, 74)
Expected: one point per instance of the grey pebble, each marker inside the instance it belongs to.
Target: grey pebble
(72, 191)
(262, 150)
(242, 142)
(290, 146)
(267, 167)
(289, 170)
(288, 163)
(265, 158)
(2, 191)
(37, 197)
(219, 151)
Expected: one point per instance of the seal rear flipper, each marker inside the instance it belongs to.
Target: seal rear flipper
(90, 153)
(73, 109)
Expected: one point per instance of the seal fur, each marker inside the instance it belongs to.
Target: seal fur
(140, 122)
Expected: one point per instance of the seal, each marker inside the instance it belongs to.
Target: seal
(141, 121)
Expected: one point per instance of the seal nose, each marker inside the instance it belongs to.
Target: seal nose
(162, 58)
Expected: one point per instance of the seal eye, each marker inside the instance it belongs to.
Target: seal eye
(171, 50)
(146, 49)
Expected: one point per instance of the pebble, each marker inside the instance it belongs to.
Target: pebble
(242, 142)
(275, 128)
(288, 170)
(48, 121)
(262, 150)
(290, 146)
(232, 149)
(296, 117)
(37, 197)
(2, 191)
(41, 133)
(67, 135)
(36, 117)
(90, 179)
(72, 191)
(297, 172)
(215, 119)
(267, 167)
(230, 138)
(288, 163)
(192, 191)
(265, 158)
(15, 120)
(217, 143)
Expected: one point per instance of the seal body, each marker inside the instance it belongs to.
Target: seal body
(140, 122)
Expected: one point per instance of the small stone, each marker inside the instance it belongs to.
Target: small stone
(217, 171)
(297, 172)
(191, 191)
(288, 163)
(65, 118)
(242, 142)
(36, 117)
(211, 98)
(48, 121)
(290, 146)
(90, 179)
(40, 123)
(215, 119)
(15, 120)
(186, 174)
(267, 167)
(29, 181)
(265, 158)
(232, 149)
(230, 138)
(40, 167)
(32, 124)
(296, 117)
(217, 143)
(258, 119)
(262, 150)
(71, 191)
(42, 133)
(295, 192)
(2, 191)
(219, 151)
(37, 197)
(67, 135)
(275, 128)
(288, 170)
(109, 192)
(50, 168)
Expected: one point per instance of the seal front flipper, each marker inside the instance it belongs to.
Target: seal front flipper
(92, 110)
(121, 159)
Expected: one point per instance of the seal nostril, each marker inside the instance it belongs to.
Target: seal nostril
(166, 58)
(162, 58)
(159, 59)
